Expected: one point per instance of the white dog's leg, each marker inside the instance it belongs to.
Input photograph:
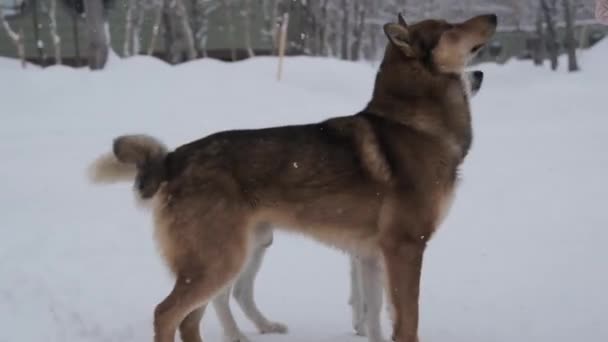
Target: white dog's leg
(244, 285)
(357, 300)
(371, 283)
(221, 304)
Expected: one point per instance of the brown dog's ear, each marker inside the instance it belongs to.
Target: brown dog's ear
(399, 36)
(401, 20)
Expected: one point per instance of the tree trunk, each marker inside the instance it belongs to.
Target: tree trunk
(270, 23)
(126, 48)
(248, 12)
(76, 36)
(323, 29)
(358, 27)
(516, 12)
(539, 44)
(569, 39)
(15, 37)
(230, 27)
(312, 17)
(197, 20)
(345, 31)
(169, 36)
(188, 37)
(158, 14)
(53, 27)
(136, 42)
(36, 26)
(552, 47)
(98, 43)
(178, 33)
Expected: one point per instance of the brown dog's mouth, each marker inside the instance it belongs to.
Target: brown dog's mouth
(476, 48)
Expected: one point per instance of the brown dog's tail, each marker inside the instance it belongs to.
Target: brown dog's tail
(138, 158)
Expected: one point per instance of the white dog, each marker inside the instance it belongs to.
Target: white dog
(365, 297)
(366, 278)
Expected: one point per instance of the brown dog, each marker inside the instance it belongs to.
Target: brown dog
(376, 183)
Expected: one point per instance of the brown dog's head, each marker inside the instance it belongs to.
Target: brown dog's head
(440, 46)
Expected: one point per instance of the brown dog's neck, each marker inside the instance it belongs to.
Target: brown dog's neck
(431, 103)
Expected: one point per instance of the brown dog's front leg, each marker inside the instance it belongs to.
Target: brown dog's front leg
(403, 267)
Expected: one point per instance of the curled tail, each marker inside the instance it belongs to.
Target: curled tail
(138, 158)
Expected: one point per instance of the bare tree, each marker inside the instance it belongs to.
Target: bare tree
(517, 10)
(158, 14)
(539, 41)
(188, 37)
(14, 36)
(36, 26)
(552, 47)
(197, 17)
(76, 36)
(230, 28)
(128, 28)
(137, 25)
(570, 42)
(270, 11)
(201, 10)
(246, 14)
(98, 41)
(323, 26)
(53, 28)
(178, 34)
(345, 30)
(358, 27)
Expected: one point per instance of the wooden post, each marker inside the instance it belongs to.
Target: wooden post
(282, 44)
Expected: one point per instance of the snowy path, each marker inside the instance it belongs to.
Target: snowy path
(522, 256)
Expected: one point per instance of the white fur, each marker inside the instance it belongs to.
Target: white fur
(365, 298)
(466, 85)
(107, 169)
(243, 292)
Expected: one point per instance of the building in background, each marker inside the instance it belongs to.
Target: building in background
(236, 29)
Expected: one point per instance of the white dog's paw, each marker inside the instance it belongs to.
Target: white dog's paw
(360, 329)
(272, 328)
(237, 338)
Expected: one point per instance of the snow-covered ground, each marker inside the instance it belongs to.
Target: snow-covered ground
(522, 257)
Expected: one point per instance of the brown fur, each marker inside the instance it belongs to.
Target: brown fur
(375, 183)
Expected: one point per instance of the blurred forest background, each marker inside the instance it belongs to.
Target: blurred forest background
(82, 32)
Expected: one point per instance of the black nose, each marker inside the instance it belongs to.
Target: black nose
(478, 75)
(493, 19)
(476, 81)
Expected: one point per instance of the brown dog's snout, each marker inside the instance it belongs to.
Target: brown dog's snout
(486, 23)
(492, 19)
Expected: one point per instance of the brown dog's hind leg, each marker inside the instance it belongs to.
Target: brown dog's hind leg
(186, 296)
(205, 247)
(189, 329)
(184, 305)
(403, 262)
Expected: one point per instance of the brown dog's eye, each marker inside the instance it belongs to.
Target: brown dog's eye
(476, 48)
